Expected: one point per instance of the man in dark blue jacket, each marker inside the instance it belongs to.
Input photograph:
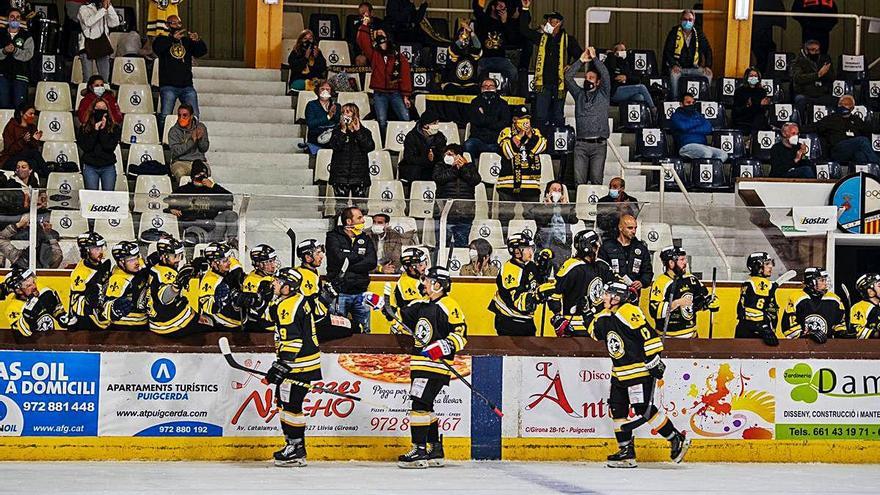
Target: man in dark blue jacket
(690, 129)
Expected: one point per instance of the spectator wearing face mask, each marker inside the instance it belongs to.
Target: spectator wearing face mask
(97, 138)
(15, 60)
(497, 29)
(205, 209)
(812, 76)
(422, 149)
(462, 76)
(389, 243)
(686, 52)
(97, 89)
(306, 62)
(188, 140)
(614, 205)
(480, 253)
(96, 18)
(322, 116)
(750, 102)
(591, 117)
(625, 85)
(788, 157)
(351, 143)
(554, 219)
(691, 128)
(22, 141)
(176, 52)
(23, 178)
(520, 175)
(489, 114)
(391, 79)
(456, 178)
(848, 134)
(49, 253)
(365, 10)
(348, 241)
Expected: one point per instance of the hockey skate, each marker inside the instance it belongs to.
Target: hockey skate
(679, 445)
(416, 458)
(435, 455)
(624, 458)
(292, 455)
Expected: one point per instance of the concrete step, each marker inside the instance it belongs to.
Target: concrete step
(243, 100)
(235, 129)
(252, 88)
(256, 144)
(258, 116)
(236, 74)
(262, 175)
(249, 161)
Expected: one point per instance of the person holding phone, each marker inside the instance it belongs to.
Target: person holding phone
(98, 138)
(350, 166)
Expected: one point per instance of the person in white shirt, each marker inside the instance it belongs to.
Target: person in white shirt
(96, 18)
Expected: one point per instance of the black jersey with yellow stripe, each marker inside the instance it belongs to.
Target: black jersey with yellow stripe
(256, 309)
(168, 310)
(222, 312)
(520, 163)
(757, 301)
(683, 320)
(515, 296)
(87, 283)
(296, 342)
(126, 285)
(805, 314)
(432, 321)
(630, 340)
(45, 309)
(311, 288)
(579, 288)
(864, 317)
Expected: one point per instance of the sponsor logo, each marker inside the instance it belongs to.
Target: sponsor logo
(809, 385)
(163, 370)
(814, 221)
(104, 208)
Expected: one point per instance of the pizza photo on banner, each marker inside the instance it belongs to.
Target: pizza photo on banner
(857, 198)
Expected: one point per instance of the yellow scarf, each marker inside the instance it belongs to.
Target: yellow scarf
(539, 64)
(679, 44)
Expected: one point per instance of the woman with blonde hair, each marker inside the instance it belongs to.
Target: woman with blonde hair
(351, 142)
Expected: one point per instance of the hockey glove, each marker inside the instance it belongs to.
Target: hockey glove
(121, 307)
(818, 336)
(327, 295)
(183, 277)
(656, 367)
(768, 335)
(439, 349)
(560, 325)
(546, 291)
(221, 294)
(277, 373)
(200, 265)
(373, 301)
(31, 311)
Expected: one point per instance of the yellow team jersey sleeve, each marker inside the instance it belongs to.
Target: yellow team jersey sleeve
(859, 318)
(657, 300)
(458, 327)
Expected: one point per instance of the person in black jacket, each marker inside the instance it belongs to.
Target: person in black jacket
(625, 84)
(788, 157)
(750, 102)
(762, 31)
(349, 242)
(686, 52)
(204, 209)
(422, 149)
(176, 52)
(628, 256)
(848, 135)
(350, 167)
(306, 62)
(488, 116)
(816, 28)
(98, 138)
(461, 76)
(456, 178)
(497, 29)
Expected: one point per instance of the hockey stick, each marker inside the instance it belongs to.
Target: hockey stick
(785, 277)
(668, 312)
(847, 307)
(711, 314)
(448, 366)
(292, 235)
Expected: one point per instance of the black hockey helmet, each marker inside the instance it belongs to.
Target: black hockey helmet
(585, 243)
(169, 247)
(263, 253)
(412, 256)
(521, 112)
(519, 240)
(290, 276)
(125, 250)
(308, 247)
(88, 240)
(755, 261)
(865, 282)
(619, 289)
(670, 253)
(441, 275)
(812, 275)
(17, 276)
(216, 251)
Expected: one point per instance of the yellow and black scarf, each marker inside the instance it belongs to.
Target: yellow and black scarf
(679, 44)
(539, 64)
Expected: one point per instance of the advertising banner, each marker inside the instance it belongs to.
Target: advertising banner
(49, 393)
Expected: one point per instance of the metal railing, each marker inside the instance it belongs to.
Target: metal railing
(354, 6)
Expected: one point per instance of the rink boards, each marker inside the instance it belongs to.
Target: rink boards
(180, 406)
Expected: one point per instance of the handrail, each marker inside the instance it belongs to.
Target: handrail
(354, 6)
(624, 166)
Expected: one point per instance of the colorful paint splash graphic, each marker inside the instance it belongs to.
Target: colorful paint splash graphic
(724, 406)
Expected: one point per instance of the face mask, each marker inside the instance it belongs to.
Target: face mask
(793, 140)
(489, 94)
(753, 80)
(555, 196)
(548, 28)
(473, 254)
(378, 229)
(813, 56)
(99, 90)
(448, 159)
(589, 85)
(325, 95)
(844, 110)
(14, 24)
(307, 44)
(614, 193)
(380, 40)
(99, 114)
(184, 121)
(687, 25)
(621, 54)
(357, 229)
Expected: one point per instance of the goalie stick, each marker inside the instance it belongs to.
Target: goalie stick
(785, 277)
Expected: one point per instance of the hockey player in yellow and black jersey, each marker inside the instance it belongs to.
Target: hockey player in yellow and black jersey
(28, 308)
(758, 310)
(88, 281)
(687, 292)
(298, 358)
(578, 287)
(409, 284)
(125, 298)
(257, 289)
(634, 348)
(169, 311)
(864, 316)
(320, 294)
(516, 295)
(220, 295)
(814, 311)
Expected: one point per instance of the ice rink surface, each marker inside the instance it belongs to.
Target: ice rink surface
(477, 478)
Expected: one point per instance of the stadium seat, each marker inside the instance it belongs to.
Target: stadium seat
(729, 141)
(851, 67)
(53, 97)
(863, 112)
(489, 167)
(547, 174)
(380, 165)
(421, 198)
(575, 228)
(669, 108)
(129, 70)
(873, 95)
(140, 153)
(828, 170)
(170, 120)
(500, 81)
(725, 89)
(395, 133)
(402, 225)
(325, 26)
(139, 129)
(780, 113)
(481, 202)
(656, 235)
(412, 52)
(428, 233)
(515, 226)
(708, 175)
(761, 143)
(302, 99)
(775, 90)
(815, 113)
(115, 229)
(747, 168)
(155, 219)
(386, 196)
(499, 257)
(875, 142)
(136, 98)
(63, 189)
(79, 96)
(696, 86)
(450, 130)
(868, 168)
(644, 63)
(68, 224)
(634, 115)
(373, 126)
(56, 126)
(680, 167)
(322, 165)
(367, 80)
(336, 52)
(421, 104)
(780, 66)
(61, 152)
(587, 198)
(815, 150)
(150, 192)
(489, 230)
(714, 113)
(154, 76)
(650, 145)
(292, 24)
(362, 100)
(286, 47)
(460, 257)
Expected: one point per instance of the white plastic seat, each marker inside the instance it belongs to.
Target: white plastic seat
(421, 102)
(135, 98)
(150, 192)
(428, 234)
(139, 128)
(57, 126)
(362, 100)
(5, 116)
(516, 226)
(402, 225)
(489, 167)
(79, 96)
(322, 165)
(154, 76)
(53, 97)
(373, 126)
(386, 196)
(170, 120)
(61, 152)
(140, 153)
(459, 258)
(367, 79)
(129, 70)
(63, 189)
(335, 52)
(467, 131)
(656, 235)
(291, 24)
(587, 198)
(499, 257)
(489, 230)
(68, 224)
(115, 229)
(450, 130)
(421, 198)
(165, 222)
(380, 165)
(575, 228)
(395, 133)
(547, 174)
(302, 99)
(286, 47)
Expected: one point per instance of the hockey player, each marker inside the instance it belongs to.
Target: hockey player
(320, 294)
(757, 310)
(168, 307)
(28, 308)
(516, 295)
(409, 284)
(220, 296)
(578, 286)
(814, 311)
(125, 298)
(88, 281)
(865, 314)
(257, 287)
(687, 292)
(298, 358)
(634, 348)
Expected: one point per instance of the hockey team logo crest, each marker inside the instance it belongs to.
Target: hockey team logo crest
(816, 324)
(595, 290)
(424, 330)
(615, 345)
(465, 70)
(687, 310)
(45, 323)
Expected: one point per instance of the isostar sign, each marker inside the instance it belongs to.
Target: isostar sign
(814, 218)
(103, 204)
